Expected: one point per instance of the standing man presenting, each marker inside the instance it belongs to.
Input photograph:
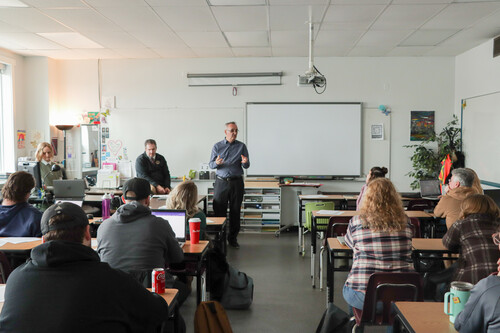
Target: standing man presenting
(229, 157)
(153, 167)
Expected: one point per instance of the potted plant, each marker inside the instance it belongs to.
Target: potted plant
(426, 159)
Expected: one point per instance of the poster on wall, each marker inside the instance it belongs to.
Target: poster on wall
(421, 125)
(21, 139)
(377, 132)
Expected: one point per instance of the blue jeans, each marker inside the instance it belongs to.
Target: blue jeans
(353, 297)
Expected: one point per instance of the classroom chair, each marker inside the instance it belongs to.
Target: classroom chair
(321, 223)
(5, 268)
(415, 225)
(387, 288)
(337, 226)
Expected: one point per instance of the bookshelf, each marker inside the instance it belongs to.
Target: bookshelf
(260, 209)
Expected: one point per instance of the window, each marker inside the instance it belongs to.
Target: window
(7, 152)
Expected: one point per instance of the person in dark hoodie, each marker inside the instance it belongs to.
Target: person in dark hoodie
(17, 217)
(64, 287)
(134, 240)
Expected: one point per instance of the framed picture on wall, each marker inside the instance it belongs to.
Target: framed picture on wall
(421, 125)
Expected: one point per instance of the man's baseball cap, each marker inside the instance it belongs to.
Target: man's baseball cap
(74, 216)
(139, 186)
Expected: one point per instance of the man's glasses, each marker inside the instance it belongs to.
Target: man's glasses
(233, 131)
(496, 238)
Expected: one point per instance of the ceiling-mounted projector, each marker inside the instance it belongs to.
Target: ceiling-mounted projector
(313, 77)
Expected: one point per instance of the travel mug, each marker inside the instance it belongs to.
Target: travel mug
(194, 230)
(455, 299)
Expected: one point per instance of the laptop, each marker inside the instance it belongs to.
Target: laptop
(430, 189)
(177, 218)
(69, 190)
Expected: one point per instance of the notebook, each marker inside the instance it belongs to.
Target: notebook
(430, 189)
(72, 190)
(177, 219)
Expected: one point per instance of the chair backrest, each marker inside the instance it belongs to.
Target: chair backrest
(312, 206)
(337, 226)
(421, 204)
(5, 268)
(387, 288)
(415, 226)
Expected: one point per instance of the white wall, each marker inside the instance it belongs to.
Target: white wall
(404, 84)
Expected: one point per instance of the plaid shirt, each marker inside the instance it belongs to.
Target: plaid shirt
(478, 253)
(376, 251)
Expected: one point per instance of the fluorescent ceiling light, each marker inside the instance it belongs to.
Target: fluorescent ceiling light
(72, 40)
(237, 2)
(12, 3)
(234, 79)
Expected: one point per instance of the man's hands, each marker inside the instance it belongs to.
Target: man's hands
(244, 159)
(162, 190)
(219, 160)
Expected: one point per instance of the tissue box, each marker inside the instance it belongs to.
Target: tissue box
(108, 179)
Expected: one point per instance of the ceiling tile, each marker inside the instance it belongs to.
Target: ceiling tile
(237, 2)
(427, 37)
(55, 3)
(135, 53)
(298, 2)
(83, 19)
(158, 38)
(370, 51)
(447, 51)
(117, 3)
(350, 17)
(471, 37)
(133, 18)
(177, 2)
(12, 3)
(212, 52)
(241, 18)
(247, 38)
(203, 39)
(188, 18)
(99, 53)
(55, 54)
(338, 37)
(332, 51)
(409, 51)
(290, 39)
(5, 27)
(360, 2)
(115, 40)
(422, 2)
(29, 41)
(252, 51)
(290, 52)
(461, 15)
(406, 16)
(71, 40)
(383, 37)
(178, 52)
(31, 20)
(294, 17)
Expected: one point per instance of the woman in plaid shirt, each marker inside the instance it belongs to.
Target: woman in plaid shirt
(380, 239)
(471, 234)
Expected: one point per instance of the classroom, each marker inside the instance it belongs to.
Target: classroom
(126, 70)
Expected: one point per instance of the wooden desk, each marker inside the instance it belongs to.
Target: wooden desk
(335, 251)
(422, 317)
(424, 247)
(194, 254)
(218, 229)
(102, 191)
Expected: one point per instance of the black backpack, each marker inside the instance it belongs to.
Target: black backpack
(217, 271)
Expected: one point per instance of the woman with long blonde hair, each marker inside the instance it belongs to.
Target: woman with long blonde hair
(380, 239)
(185, 196)
(44, 154)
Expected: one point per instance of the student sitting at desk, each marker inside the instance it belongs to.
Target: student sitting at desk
(17, 217)
(482, 311)
(380, 239)
(471, 235)
(375, 172)
(64, 287)
(44, 155)
(185, 196)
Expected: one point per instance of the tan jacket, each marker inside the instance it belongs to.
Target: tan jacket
(449, 205)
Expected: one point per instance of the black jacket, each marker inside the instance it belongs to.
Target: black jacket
(64, 287)
(156, 174)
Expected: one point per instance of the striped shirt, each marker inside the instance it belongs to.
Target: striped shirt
(478, 253)
(376, 251)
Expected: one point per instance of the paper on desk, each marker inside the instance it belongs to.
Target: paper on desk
(161, 196)
(329, 212)
(2, 293)
(210, 221)
(17, 240)
(314, 196)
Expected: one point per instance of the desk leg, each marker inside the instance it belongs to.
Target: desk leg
(329, 286)
(301, 231)
(313, 251)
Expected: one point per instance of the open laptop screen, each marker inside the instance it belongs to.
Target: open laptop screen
(177, 220)
(430, 188)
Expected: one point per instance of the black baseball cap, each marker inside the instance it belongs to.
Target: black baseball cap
(74, 216)
(139, 186)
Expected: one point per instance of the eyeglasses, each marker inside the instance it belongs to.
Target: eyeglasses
(233, 131)
(496, 238)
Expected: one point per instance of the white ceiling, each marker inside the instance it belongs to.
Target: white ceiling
(104, 29)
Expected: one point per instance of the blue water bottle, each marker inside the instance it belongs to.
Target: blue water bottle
(106, 206)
